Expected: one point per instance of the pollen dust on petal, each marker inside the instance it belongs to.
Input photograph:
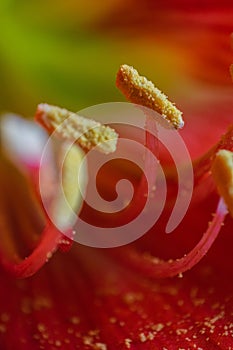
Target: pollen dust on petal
(137, 89)
(222, 171)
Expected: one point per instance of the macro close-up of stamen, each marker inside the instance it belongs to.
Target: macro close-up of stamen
(116, 175)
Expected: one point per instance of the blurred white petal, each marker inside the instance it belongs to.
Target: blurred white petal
(23, 141)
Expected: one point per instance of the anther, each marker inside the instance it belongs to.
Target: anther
(222, 171)
(137, 89)
(70, 126)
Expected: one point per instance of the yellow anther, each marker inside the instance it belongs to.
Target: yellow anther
(87, 133)
(76, 131)
(222, 171)
(139, 90)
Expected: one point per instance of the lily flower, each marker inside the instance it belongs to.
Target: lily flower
(162, 291)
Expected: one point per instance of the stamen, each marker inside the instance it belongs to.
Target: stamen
(87, 133)
(137, 89)
(154, 267)
(222, 171)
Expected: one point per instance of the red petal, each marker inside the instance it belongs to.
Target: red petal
(165, 26)
(88, 302)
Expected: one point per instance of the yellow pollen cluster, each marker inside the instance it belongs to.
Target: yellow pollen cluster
(137, 89)
(87, 133)
(222, 171)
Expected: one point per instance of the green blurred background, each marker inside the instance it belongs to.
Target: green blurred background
(68, 52)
